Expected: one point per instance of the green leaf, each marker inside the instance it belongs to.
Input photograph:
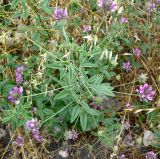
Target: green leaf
(36, 37)
(83, 120)
(66, 35)
(21, 123)
(10, 116)
(6, 89)
(41, 114)
(48, 10)
(16, 15)
(25, 11)
(75, 112)
(61, 95)
(103, 89)
(54, 66)
(14, 4)
(1, 68)
(136, 64)
(74, 96)
(47, 111)
(43, 3)
(90, 65)
(96, 79)
(90, 110)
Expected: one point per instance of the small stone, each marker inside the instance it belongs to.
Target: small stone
(149, 138)
(2, 133)
(64, 153)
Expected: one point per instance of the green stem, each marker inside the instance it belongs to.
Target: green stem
(56, 113)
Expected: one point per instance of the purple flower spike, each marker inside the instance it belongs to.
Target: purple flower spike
(38, 137)
(127, 66)
(109, 5)
(151, 155)
(124, 20)
(60, 13)
(151, 6)
(113, 6)
(19, 141)
(146, 92)
(86, 28)
(71, 135)
(137, 52)
(128, 106)
(19, 71)
(19, 79)
(32, 124)
(15, 94)
(101, 3)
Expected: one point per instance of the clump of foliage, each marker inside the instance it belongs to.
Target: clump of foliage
(85, 66)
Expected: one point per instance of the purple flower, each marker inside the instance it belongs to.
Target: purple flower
(38, 137)
(19, 141)
(70, 135)
(36, 134)
(32, 124)
(150, 155)
(112, 6)
(151, 6)
(19, 79)
(146, 92)
(101, 3)
(128, 140)
(86, 28)
(126, 125)
(15, 93)
(74, 135)
(137, 52)
(128, 106)
(19, 71)
(127, 66)
(122, 157)
(34, 110)
(60, 13)
(124, 20)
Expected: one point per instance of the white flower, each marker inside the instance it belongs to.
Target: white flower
(142, 78)
(109, 57)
